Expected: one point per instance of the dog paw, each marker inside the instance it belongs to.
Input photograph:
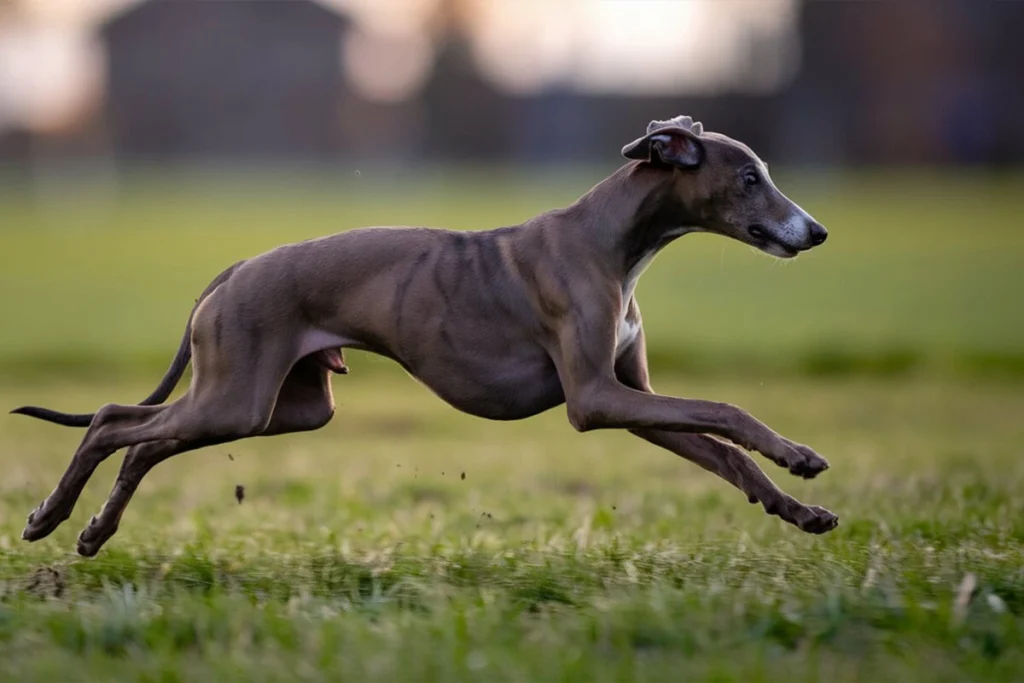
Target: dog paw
(93, 537)
(815, 520)
(42, 521)
(811, 519)
(801, 460)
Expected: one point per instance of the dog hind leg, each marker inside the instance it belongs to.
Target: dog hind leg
(304, 403)
(232, 396)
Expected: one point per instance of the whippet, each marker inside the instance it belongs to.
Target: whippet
(502, 324)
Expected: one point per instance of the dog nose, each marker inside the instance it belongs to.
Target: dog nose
(818, 234)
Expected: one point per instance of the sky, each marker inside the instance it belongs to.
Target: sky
(51, 65)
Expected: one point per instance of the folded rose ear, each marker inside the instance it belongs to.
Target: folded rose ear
(672, 146)
(675, 142)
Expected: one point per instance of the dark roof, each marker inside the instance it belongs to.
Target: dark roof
(311, 8)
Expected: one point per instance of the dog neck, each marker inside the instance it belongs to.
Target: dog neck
(630, 216)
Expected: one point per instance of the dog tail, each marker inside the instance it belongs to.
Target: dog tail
(167, 384)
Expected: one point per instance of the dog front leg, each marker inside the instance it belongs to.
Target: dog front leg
(597, 399)
(737, 468)
(608, 404)
(720, 458)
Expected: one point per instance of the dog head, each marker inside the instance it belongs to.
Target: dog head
(723, 187)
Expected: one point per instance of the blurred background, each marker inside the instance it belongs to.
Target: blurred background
(146, 144)
(266, 81)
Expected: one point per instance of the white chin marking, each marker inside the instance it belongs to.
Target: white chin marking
(778, 251)
(775, 249)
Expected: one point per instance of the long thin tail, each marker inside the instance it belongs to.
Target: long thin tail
(167, 384)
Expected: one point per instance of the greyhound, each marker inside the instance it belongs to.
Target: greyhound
(502, 324)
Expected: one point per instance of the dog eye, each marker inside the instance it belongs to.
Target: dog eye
(750, 178)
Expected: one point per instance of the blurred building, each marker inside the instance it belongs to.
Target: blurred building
(913, 81)
(900, 82)
(224, 80)
(903, 82)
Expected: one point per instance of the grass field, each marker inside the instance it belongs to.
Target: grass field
(921, 272)
(406, 541)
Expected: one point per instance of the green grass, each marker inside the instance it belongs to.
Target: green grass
(361, 553)
(920, 273)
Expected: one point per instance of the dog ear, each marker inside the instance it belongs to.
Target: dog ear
(670, 146)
